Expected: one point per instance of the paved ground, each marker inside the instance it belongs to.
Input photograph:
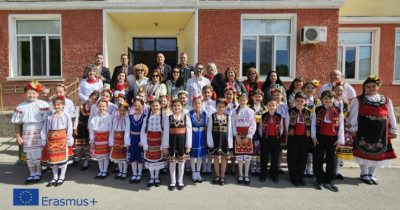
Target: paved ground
(110, 193)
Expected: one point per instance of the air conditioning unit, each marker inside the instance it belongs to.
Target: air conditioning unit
(313, 34)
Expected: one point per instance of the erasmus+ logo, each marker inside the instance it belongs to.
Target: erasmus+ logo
(30, 197)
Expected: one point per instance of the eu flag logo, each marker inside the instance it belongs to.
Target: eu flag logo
(26, 197)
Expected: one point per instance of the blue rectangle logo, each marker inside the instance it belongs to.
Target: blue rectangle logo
(26, 197)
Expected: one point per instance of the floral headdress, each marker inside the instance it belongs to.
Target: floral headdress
(103, 100)
(338, 83)
(275, 89)
(137, 98)
(141, 90)
(316, 83)
(34, 84)
(183, 92)
(126, 105)
(230, 88)
(166, 96)
(197, 96)
(62, 85)
(375, 79)
(152, 99)
(61, 97)
(119, 95)
(173, 99)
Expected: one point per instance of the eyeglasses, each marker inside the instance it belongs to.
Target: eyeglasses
(140, 70)
(156, 75)
(199, 68)
(175, 72)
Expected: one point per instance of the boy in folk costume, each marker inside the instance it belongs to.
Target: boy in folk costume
(371, 129)
(270, 129)
(119, 140)
(298, 125)
(327, 132)
(57, 138)
(31, 114)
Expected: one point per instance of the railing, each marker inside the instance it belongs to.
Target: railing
(13, 87)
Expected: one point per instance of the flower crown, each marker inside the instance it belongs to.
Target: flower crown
(173, 99)
(275, 89)
(137, 98)
(197, 96)
(126, 105)
(226, 101)
(103, 100)
(316, 83)
(61, 97)
(183, 92)
(62, 85)
(166, 96)
(375, 79)
(338, 83)
(141, 90)
(230, 88)
(208, 86)
(256, 91)
(34, 84)
(152, 99)
(97, 91)
(119, 95)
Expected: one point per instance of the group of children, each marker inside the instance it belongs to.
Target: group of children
(235, 127)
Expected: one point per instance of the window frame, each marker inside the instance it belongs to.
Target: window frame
(375, 48)
(13, 46)
(293, 43)
(395, 82)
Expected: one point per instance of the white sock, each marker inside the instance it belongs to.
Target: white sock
(140, 169)
(309, 162)
(246, 168)
(125, 165)
(55, 172)
(209, 163)
(105, 167)
(151, 174)
(337, 167)
(199, 161)
(38, 170)
(280, 160)
(181, 167)
(32, 168)
(240, 166)
(120, 166)
(63, 171)
(364, 169)
(156, 173)
(172, 170)
(204, 160)
(101, 165)
(372, 170)
(134, 168)
(193, 164)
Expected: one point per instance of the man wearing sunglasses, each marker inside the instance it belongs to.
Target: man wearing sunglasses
(187, 71)
(195, 84)
(163, 67)
(124, 66)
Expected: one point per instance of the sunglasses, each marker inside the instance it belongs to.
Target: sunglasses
(156, 75)
(177, 72)
(199, 68)
(140, 70)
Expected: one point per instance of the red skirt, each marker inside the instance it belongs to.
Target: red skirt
(118, 152)
(245, 149)
(56, 150)
(154, 152)
(101, 149)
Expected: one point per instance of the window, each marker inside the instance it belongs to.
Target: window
(356, 54)
(37, 46)
(397, 58)
(268, 43)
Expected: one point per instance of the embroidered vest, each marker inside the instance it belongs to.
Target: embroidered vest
(320, 117)
(84, 114)
(265, 121)
(293, 112)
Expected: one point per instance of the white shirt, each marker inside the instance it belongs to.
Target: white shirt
(348, 93)
(245, 118)
(209, 107)
(210, 140)
(69, 108)
(99, 123)
(188, 143)
(120, 124)
(229, 109)
(61, 122)
(85, 89)
(340, 133)
(95, 112)
(195, 86)
(31, 112)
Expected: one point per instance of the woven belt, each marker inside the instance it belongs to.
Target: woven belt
(374, 117)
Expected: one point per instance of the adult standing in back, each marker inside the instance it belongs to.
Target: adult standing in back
(187, 71)
(272, 82)
(348, 94)
(102, 71)
(124, 66)
(163, 67)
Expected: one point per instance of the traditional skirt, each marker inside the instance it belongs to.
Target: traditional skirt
(134, 153)
(220, 138)
(101, 150)
(56, 150)
(245, 149)
(177, 140)
(154, 152)
(198, 142)
(345, 152)
(82, 139)
(118, 152)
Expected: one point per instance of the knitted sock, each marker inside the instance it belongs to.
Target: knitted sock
(106, 162)
(87, 153)
(156, 173)
(193, 164)
(125, 165)
(32, 168)
(152, 174)
(199, 161)
(63, 171)
(181, 167)
(38, 169)
(140, 169)
(120, 166)
(337, 167)
(101, 165)
(372, 170)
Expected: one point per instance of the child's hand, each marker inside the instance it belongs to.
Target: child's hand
(166, 151)
(75, 132)
(315, 142)
(92, 146)
(245, 140)
(353, 134)
(140, 145)
(187, 150)
(127, 147)
(19, 140)
(392, 135)
(239, 142)
(337, 145)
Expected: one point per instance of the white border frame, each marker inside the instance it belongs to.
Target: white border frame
(293, 41)
(369, 20)
(12, 46)
(375, 50)
(395, 82)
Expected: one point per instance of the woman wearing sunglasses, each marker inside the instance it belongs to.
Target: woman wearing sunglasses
(139, 76)
(155, 87)
(175, 84)
(252, 82)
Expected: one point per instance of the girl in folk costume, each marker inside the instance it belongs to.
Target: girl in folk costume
(282, 109)
(345, 150)
(311, 103)
(230, 95)
(105, 95)
(270, 129)
(244, 126)
(165, 106)
(57, 138)
(121, 86)
(298, 125)
(45, 94)
(183, 96)
(220, 139)
(119, 99)
(372, 124)
(91, 83)
(134, 155)
(209, 106)
(256, 99)
(142, 94)
(99, 134)
(119, 140)
(151, 138)
(177, 141)
(198, 118)
(31, 114)
(81, 132)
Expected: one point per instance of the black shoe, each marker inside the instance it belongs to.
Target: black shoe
(104, 175)
(233, 173)
(262, 178)
(157, 182)
(203, 173)
(373, 179)
(302, 183)
(116, 170)
(133, 179)
(318, 186)
(216, 180)
(365, 180)
(296, 184)
(194, 180)
(119, 175)
(180, 187)
(281, 172)
(149, 184)
(51, 183)
(35, 179)
(240, 180)
(246, 182)
(222, 181)
(138, 178)
(84, 168)
(253, 173)
(208, 173)
(44, 170)
(305, 175)
(341, 163)
(275, 180)
(98, 176)
(171, 187)
(339, 177)
(28, 181)
(310, 176)
(331, 187)
(59, 182)
(75, 163)
(123, 177)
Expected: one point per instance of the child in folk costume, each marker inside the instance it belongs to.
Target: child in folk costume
(119, 140)
(134, 155)
(177, 141)
(119, 99)
(256, 98)
(311, 103)
(142, 94)
(282, 109)
(270, 129)
(57, 138)
(198, 118)
(105, 95)
(81, 132)
(372, 124)
(298, 125)
(345, 150)
(166, 110)
(151, 138)
(99, 134)
(244, 126)
(209, 107)
(220, 139)
(91, 83)
(31, 114)
(230, 95)
(327, 133)
(183, 96)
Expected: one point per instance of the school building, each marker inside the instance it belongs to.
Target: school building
(52, 41)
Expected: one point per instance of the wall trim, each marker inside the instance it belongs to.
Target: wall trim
(369, 20)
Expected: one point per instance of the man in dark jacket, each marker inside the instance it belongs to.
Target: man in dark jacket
(163, 67)
(124, 66)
